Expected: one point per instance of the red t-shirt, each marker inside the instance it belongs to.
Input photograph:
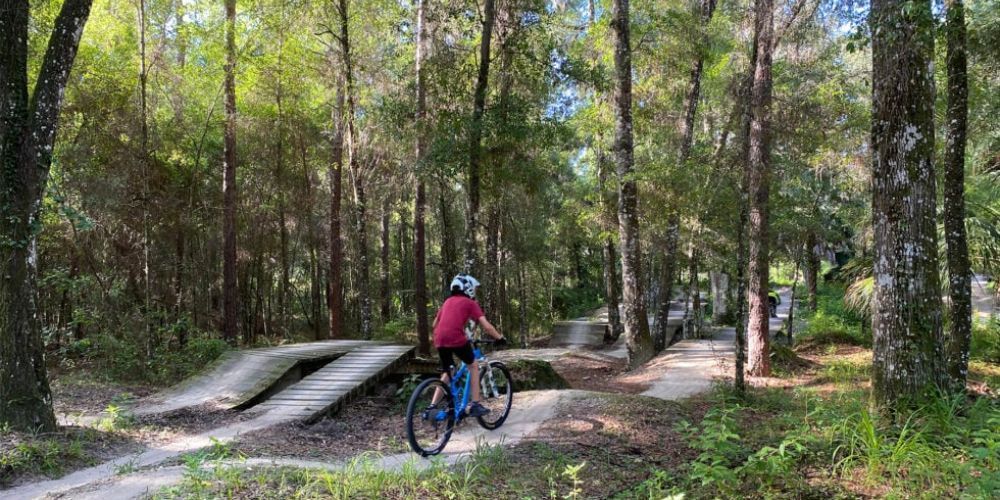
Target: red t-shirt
(451, 320)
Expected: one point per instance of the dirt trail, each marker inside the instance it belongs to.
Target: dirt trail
(684, 369)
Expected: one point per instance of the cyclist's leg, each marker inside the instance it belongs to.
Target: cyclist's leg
(474, 370)
(446, 357)
(468, 357)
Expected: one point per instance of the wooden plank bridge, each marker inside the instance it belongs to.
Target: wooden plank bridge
(298, 381)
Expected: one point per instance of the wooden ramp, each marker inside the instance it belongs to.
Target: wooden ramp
(238, 377)
(325, 390)
(578, 332)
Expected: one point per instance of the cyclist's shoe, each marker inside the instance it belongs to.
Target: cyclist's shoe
(477, 410)
(429, 411)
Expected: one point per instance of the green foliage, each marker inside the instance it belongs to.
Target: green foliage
(122, 359)
(765, 444)
(48, 455)
(833, 322)
(986, 341)
(406, 389)
(575, 302)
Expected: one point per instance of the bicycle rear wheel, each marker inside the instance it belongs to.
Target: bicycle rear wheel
(429, 424)
(497, 388)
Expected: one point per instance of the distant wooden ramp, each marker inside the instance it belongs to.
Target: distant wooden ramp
(243, 378)
(578, 332)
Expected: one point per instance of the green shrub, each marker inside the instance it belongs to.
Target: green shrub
(986, 341)
(575, 302)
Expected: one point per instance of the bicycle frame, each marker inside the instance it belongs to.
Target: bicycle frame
(462, 381)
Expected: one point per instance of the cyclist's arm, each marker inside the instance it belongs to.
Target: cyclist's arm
(489, 328)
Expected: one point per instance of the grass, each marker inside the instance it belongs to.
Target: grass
(50, 455)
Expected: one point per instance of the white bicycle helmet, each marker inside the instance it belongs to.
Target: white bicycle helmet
(466, 284)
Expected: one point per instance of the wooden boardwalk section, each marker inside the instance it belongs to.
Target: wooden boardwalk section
(335, 384)
(241, 378)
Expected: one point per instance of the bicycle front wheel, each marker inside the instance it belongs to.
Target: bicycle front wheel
(498, 394)
(430, 417)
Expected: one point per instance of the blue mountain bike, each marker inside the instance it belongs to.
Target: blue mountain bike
(435, 408)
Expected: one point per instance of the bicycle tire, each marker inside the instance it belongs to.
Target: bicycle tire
(498, 408)
(418, 422)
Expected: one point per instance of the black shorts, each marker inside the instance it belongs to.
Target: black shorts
(447, 355)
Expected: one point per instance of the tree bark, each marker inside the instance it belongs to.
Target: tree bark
(335, 295)
(609, 259)
(475, 139)
(759, 166)
(229, 302)
(637, 338)
(420, 198)
(27, 135)
(812, 270)
(906, 316)
(959, 272)
(668, 274)
(720, 291)
(284, 301)
(357, 177)
(385, 305)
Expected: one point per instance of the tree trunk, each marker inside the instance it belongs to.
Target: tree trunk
(449, 254)
(668, 273)
(741, 290)
(759, 166)
(420, 198)
(229, 303)
(27, 135)
(386, 298)
(694, 290)
(284, 301)
(959, 272)
(335, 295)
(637, 339)
(357, 177)
(608, 257)
(812, 269)
(475, 139)
(720, 291)
(906, 315)
(144, 160)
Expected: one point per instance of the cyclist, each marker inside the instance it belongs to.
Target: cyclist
(452, 338)
(773, 301)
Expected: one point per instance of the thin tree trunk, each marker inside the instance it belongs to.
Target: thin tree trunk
(759, 166)
(741, 290)
(694, 290)
(420, 197)
(27, 135)
(609, 259)
(279, 175)
(668, 274)
(357, 178)
(475, 139)
(386, 298)
(959, 272)
(335, 295)
(790, 328)
(449, 254)
(229, 303)
(637, 339)
(812, 270)
(906, 317)
(720, 289)
(144, 142)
